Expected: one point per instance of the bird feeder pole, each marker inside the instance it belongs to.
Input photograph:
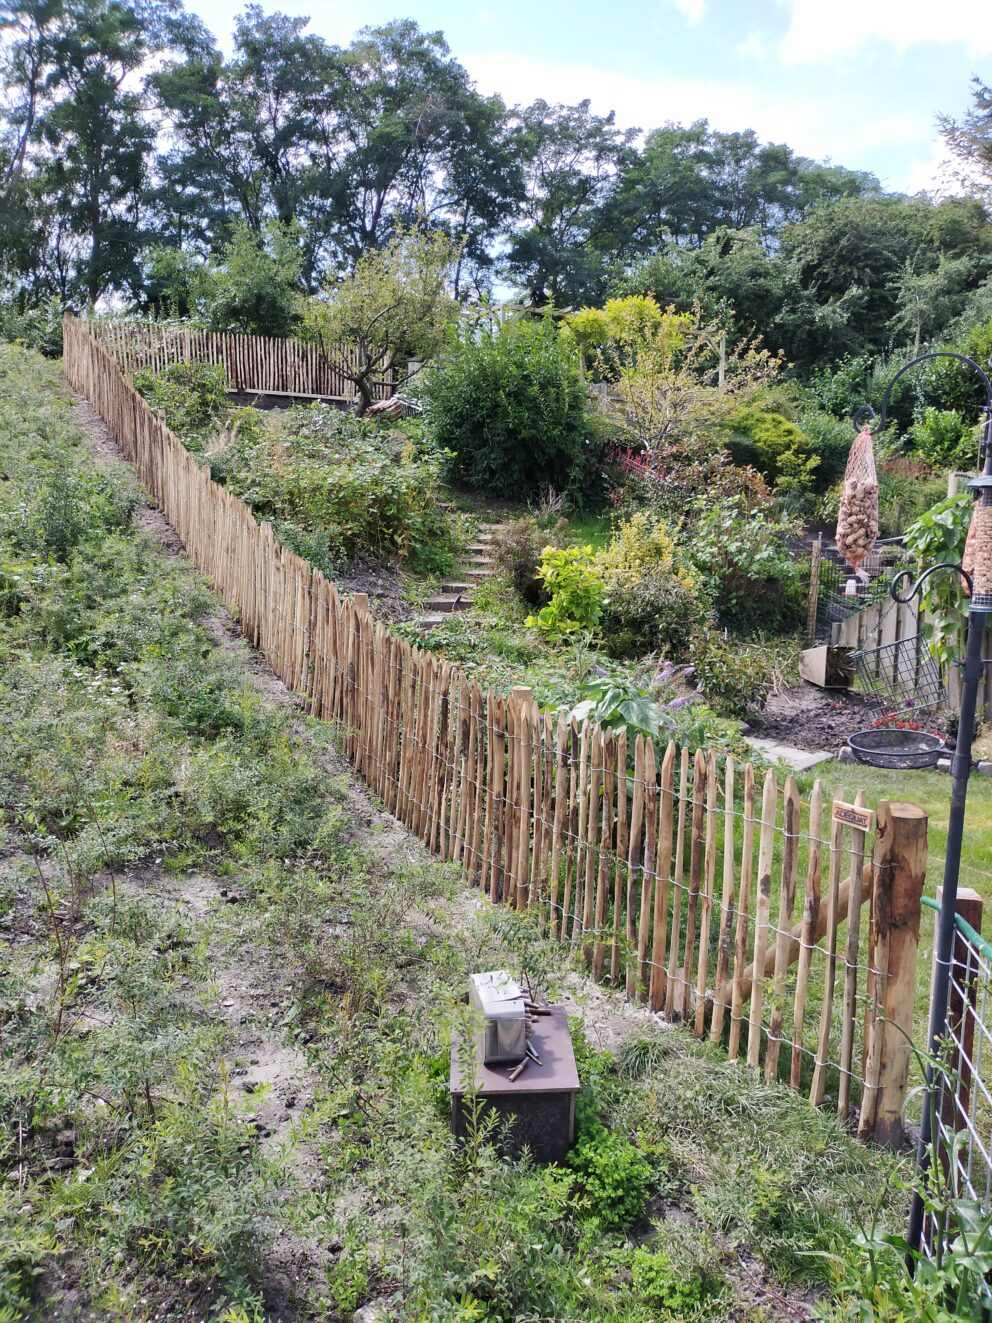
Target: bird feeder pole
(979, 582)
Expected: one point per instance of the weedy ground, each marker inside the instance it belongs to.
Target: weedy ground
(229, 983)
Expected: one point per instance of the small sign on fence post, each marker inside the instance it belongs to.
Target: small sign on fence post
(851, 815)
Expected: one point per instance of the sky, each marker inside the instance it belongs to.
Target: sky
(856, 82)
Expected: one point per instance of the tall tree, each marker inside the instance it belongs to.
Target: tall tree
(970, 142)
(572, 160)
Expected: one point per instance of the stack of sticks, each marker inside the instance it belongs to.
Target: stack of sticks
(534, 1011)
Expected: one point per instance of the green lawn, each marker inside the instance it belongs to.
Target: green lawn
(931, 791)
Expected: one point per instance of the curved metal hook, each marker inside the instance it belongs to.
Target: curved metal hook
(862, 416)
(926, 358)
(914, 590)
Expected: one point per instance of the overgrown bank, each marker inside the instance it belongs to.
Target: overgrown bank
(229, 941)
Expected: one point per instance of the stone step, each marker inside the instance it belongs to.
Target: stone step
(479, 559)
(449, 586)
(426, 623)
(449, 602)
(479, 549)
(478, 576)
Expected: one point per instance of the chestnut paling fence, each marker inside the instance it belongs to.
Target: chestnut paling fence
(785, 929)
(253, 364)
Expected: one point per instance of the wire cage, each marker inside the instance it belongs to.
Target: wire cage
(901, 677)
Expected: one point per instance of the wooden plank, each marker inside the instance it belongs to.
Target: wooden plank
(850, 994)
(726, 906)
(787, 896)
(743, 915)
(706, 909)
(675, 991)
(633, 863)
(811, 917)
(656, 988)
(766, 847)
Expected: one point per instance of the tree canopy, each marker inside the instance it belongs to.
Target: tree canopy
(137, 161)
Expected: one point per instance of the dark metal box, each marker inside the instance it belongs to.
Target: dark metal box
(540, 1103)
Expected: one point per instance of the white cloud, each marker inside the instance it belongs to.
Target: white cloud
(813, 120)
(819, 31)
(752, 47)
(691, 10)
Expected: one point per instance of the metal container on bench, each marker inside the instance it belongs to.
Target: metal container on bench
(503, 1037)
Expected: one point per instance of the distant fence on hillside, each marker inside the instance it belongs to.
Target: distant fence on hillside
(253, 364)
(870, 619)
(708, 889)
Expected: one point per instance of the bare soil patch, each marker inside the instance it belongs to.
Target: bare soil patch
(812, 719)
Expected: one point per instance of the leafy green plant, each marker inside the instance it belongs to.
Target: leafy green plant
(614, 1179)
(734, 678)
(654, 599)
(575, 592)
(750, 574)
(775, 446)
(517, 549)
(192, 395)
(945, 439)
(511, 407)
(939, 535)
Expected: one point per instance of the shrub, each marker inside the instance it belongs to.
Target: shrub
(575, 592)
(750, 574)
(776, 447)
(512, 408)
(257, 286)
(517, 549)
(36, 326)
(653, 600)
(193, 397)
(614, 1180)
(944, 438)
(734, 679)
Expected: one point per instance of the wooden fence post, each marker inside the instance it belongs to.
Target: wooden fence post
(956, 1100)
(812, 601)
(900, 866)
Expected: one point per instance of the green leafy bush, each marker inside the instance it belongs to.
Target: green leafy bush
(773, 445)
(34, 325)
(939, 536)
(574, 590)
(654, 600)
(193, 397)
(945, 439)
(750, 574)
(734, 678)
(517, 549)
(511, 406)
(614, 1179)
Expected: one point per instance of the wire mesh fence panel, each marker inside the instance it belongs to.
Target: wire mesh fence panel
(962, 1119)
(709, 890)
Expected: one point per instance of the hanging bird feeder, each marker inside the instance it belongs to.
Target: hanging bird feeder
(857, 516)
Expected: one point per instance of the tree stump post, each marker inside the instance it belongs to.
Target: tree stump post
(900, 865)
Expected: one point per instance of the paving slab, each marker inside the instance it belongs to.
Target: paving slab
(800, 760)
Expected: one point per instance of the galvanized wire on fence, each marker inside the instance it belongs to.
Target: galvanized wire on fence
(678, 876)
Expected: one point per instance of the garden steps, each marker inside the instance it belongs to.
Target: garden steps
(449, 602)
(455, 597)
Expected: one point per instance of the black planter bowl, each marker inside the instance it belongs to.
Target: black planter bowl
(896, 749)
